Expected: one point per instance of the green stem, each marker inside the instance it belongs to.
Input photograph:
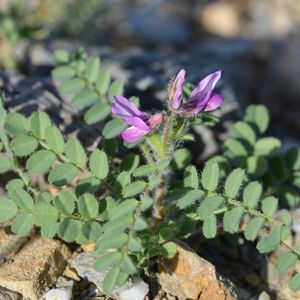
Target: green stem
(166, 135)
(147, 154)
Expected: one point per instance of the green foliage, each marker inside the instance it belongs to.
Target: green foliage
(89, 84)
(134, 207)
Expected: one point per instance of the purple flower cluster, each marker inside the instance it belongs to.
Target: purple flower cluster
(201, 99)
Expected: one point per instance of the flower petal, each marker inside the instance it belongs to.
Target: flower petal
(124, 108)
(204, 88)
(136, 122)
(155, 120)
(176, 90)
(214, 102)
(133, 134)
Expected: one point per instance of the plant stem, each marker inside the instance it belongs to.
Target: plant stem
(147, 154)
(166, 135)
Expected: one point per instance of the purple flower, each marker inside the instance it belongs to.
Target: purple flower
(141, 122)
(201, 99)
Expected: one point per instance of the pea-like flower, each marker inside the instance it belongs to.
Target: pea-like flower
(141, 122)
(201, 99)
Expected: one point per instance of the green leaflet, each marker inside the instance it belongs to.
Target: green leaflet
(62, 174)
(252, 194)
(233, 182)
(210, 176)
(54, 139)
(88, 206)
(99, 164)
(23, 145)
(75, 153)
(113, 128)
(232, 219)
(209, 228)
(22, 224)
(107, 260)
(44, 214)
(258, 117)
(133, 188)
(41, 161)
(209, 205)
(7, 209)
(16, 124)
(39, 121)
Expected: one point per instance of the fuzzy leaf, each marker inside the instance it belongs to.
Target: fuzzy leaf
(97, 113)
(188, 198)
(22, 199)
(103, 81)
(252, 194)
(191, 178)
(169, 250)
(125, 208)
(286, 261)
(134, 188)
(294, 284)
(23, 145)
(232, 219)
(210, 227)
(253, 228)
(44, 214)
(7, 209)
(16, 124)
(39, 121)
(92, 69)
(236, 152)
(256, 166)
(22, 224)
(269, 206)
(107, 260)
(84, 98)
(267, 146)
(117, 225)
(145, 170)
(210, 176)
(108, 241)
(71, 86)
(209, 205)
(41, 161)
(91, 231)
(244, 132)
(68, 229)
(258, 116)
(233, 182)
(99, 164)
(116, 88)
(65, 202)
(270, 242)
(88, 206)
(110, 280)
(5, 164)
(113, 128)
(75, 153)
(62, 174)
(54, 139)
(63, 73)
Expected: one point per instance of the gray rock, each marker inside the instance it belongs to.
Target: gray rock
(83, 264)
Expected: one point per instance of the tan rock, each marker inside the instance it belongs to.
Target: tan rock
(88, 247)
(221, 19)
(36, 266)
(189, 276)
(9, 244)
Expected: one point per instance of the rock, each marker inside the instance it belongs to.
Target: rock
(9, 245)
(264, 296)
(6, 294)
(138, 291)
(64, 292)
(221, 18)
(36, 266)
(83, 264)
(188, 276)
(58, 294)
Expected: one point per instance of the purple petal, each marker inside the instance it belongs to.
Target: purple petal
(133, 134)
(136, 122)
(204, 88)
(176, 90)
(214, 102)
(155, 120)
(124, 108)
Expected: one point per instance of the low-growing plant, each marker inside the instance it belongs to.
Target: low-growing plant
(135, 206)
